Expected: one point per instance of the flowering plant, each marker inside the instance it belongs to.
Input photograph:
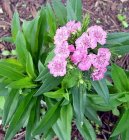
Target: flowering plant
(83, 55)
(57, 76)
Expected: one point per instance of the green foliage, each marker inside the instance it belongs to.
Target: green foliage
(70, 11)
(79, 101)
(63, 126)
(2, 101)
(77, 8)
(60, 11)
(123, 20)
(48, 120)
(120, 127)
(101, 88)
(120, 79)
(86, 130)
(31, 98)
(118, 43)
(15, 26)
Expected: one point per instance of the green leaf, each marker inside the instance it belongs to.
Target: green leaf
(12, 106)
(86, 130)
(91, 114)
(122, 125)
(49, 83)
(50, 55)
(48, 120)
(3, 90)
(57, 94)
(32, 121)
(5, 53)
(70, 12)
(120, 79)
(44, 73)
(22, 83)
(9, 71)
(21, 48)
(117, 38)
(31, 32)
(115, 111)
(2, 101)
(77, 7)
(11, 62)
(71, 79)
(86, 22)
(125, 134)
(97, 102)
(120, 49)
(60, 11)
(101, 88)
(19, 117)
(15, 25)
(40, 67)
(51, 19)
(63, 126)
(9, 102)
(79, 101)
(43, 29)
(30, 66)
(1, 113)
(7, 39)
(49, 136)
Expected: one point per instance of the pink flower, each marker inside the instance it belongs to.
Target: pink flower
(101, 60)
(77, 56)
(85, 42)
(85, 64)
(98, 33)
(72, 26)
(71, 48)
(62, 50)
(93, 42)
(92, 57)
(62, 35)
(105, 52)
(57, 66)
(98, 74)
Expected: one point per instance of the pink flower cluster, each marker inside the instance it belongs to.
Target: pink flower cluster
(62, 49)
(83, 53)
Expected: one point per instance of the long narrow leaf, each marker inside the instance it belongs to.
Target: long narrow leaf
(63, 126)
(19, 117)
(101, 88)
(48, 120)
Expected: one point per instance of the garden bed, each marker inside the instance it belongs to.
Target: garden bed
(102, 13)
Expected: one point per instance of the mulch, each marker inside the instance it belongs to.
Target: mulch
(102, 12)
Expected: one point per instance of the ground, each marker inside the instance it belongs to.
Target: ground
(102, 12)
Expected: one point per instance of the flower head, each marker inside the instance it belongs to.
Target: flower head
(77, 56)
(101, 60)
(84, 42)
(98, 34)
(62, 50)
(105, 52)
(85, 63)
(57, 66)
(73, 26)
(62, 35)
(98, 74)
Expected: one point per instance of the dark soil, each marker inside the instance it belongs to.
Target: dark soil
(103, 12)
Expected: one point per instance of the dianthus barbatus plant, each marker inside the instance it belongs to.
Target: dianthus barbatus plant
(59, 74)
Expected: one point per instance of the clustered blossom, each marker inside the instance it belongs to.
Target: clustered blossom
(62, 49)
(81, 53)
